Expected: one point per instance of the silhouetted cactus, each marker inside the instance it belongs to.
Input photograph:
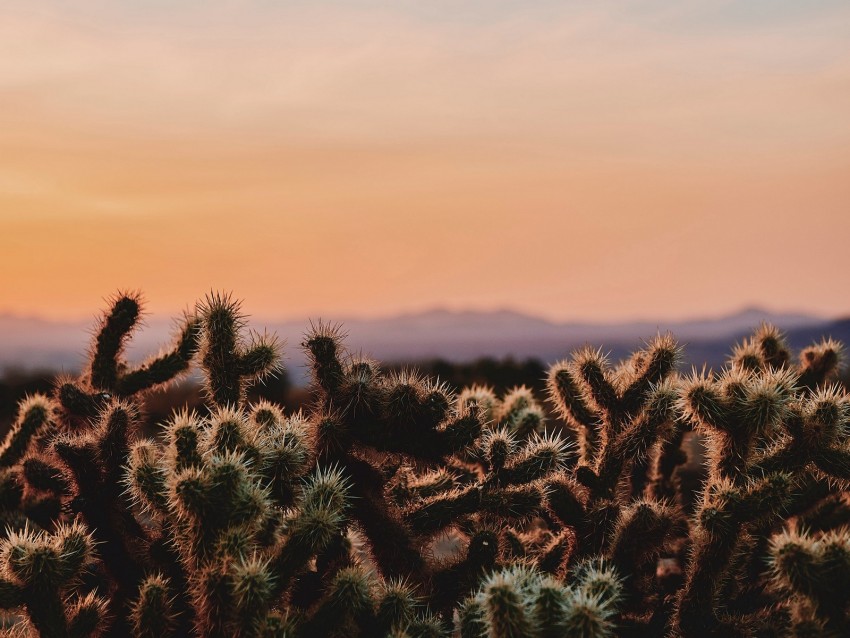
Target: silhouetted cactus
(228, 361)
(520, 601)
(108, 374)
(814, 572)
(34, 414)
(397, 507)
(39, 573)
(776, 446)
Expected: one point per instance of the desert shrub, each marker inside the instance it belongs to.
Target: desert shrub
(397, 506)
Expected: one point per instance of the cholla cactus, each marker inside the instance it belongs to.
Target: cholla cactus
(109, 375)
(776, 447)
(227, 361)
(362, 414)
(396, 507)
(188, 530)
(814, 574)
(520, 601)
(39, 573)
(489, 463)
(621, 415)
(35, 415)
(518, 411)
(818, 364)
(509, 491)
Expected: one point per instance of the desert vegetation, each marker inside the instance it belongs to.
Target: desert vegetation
(625, 499)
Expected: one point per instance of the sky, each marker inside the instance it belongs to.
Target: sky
(604, 160)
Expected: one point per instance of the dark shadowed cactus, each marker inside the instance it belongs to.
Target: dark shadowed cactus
(230, 362)
(814, 573)
(520, 601)
(39, 572)
(108, 374)
(35, 414)
(621, 415)
(777, 444)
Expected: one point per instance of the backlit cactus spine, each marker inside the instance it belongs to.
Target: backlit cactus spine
(108, 374)
(363, 415)
(753, 487)
(40, 572)
(35, 415)
(236, 519)
(232, 495)
(489, 458)
(813, 574)
(75, 463)
(230, 363)
(520, 601)
(622, 416)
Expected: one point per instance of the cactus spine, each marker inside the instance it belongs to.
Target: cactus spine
(238, 519)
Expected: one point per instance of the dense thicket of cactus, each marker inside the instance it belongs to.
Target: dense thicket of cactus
(396, 506)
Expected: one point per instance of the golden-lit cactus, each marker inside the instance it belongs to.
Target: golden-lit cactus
(40, 572)
(108, 374)
(621, 415)
(520, 601)
(508, 492)
(395, 506)
(229, 360)
(362, 413)
(813, 572)
(818, 364)
(152, 614)
(35, 413)
(776, 441)
(521, 413)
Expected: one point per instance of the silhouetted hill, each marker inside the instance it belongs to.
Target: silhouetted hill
(32, 343)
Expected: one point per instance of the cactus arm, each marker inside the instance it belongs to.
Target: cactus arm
(164, 367)
(228, 364)
(115, 328)
(34, 415)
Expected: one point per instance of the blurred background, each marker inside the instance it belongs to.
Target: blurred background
(475, 188)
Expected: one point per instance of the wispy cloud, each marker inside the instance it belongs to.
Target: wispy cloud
(614, 129)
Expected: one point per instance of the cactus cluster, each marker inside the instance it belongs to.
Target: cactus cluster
(395, 506)
(521, 601)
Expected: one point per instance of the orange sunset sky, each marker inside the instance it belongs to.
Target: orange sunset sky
(576, 160)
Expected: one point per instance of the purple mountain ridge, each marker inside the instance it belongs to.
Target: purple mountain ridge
(32, 343)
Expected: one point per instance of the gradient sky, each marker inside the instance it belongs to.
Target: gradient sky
(578, 160)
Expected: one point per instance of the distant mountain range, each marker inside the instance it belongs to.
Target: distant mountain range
(31, 343)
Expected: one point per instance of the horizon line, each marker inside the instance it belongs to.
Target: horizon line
(447, 309)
